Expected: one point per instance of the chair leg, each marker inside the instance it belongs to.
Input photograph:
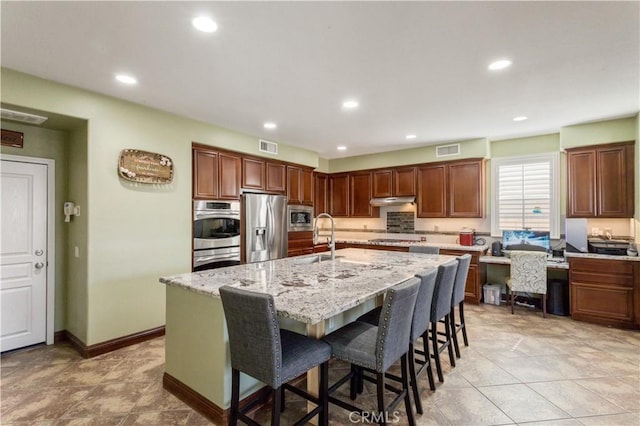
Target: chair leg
(463, 324)
(235, 397)
(544, 305)
(275, 412)
(282, 401)
(454, 334)
(360, 380)
(380, 392)
(414, 379)
(353, 382)
(405, 387)
(513, 301)
(323, 394)
(436, 352)
(427, 358)
(447, 333)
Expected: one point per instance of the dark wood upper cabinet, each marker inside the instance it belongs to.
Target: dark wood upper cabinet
(339, 195)
(398, 182)
(360, 190)
(451, 189)
(216, 175)
(306, 187)
(300, 185)
(276, 174)
(320, 204)
(600, 181)
(253, 173)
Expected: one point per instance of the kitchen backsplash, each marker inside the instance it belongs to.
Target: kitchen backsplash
(401, 222)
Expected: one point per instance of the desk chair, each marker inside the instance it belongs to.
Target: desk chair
(528, 274)
(260, 349)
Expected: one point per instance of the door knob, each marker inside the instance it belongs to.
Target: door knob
(39, 265)
(39, 252)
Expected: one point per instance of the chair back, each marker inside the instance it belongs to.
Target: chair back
(529, 271)
(422, 311)
(461, 279)
(394, 328)
(254, 334)
(441, 304)
(424, 249)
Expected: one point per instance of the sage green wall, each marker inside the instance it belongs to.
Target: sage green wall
(637, 165)
(136, 232)
(608, 131)
(526, 146)
(426, 154)
(52, 144)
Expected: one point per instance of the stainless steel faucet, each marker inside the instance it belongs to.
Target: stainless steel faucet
(332, 243)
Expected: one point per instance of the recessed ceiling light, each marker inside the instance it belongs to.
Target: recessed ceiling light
(342, 148)
(499, 65)
(270, 125)
(411, 136)
(350, 104)
(126, 79)
(521, 118)
(204, 24)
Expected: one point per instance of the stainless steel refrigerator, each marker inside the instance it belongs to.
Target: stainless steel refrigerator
(265, 226)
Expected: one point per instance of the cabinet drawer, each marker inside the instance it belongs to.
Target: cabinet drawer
(602, 279)
(611, 303)
(617, 267)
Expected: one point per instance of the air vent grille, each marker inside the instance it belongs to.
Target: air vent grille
(267, 146)
(22, 117)
(448, 150)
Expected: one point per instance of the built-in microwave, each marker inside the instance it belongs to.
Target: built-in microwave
(300, 218)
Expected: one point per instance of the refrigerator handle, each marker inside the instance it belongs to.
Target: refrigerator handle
(270, 229)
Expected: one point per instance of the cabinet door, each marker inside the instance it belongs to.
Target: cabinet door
(253, 172)
(404, 182)
(320, 204)
(205, 174)
(229, 176)
(612, 181)
(432, 194)
(360, 195)
(339, 195)
(383, 183)
(466, 189)
(581, 183)
(276, 178)
(306, 187)
(293, 185)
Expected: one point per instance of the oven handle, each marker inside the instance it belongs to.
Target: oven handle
(199, 260)
(199, 216)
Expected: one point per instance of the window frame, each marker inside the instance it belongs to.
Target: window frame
(554, 205)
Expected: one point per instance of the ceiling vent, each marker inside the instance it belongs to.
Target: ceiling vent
(269, 147)
(447, 150)
(22, 117)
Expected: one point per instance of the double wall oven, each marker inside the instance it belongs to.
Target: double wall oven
(216, 234)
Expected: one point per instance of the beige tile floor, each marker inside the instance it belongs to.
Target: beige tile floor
(519, 369)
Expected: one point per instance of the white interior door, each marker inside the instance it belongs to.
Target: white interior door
(23, 255)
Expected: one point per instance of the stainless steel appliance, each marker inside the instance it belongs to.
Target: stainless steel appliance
(300, 218)
(216, 234)
(265, 226)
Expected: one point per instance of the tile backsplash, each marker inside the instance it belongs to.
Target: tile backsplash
(400, 222)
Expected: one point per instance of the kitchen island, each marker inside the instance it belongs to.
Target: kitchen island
(312, 294)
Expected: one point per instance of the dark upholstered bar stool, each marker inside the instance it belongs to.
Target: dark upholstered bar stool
(424, 249)
(419, 328)
(440, 310)
(374, 349)
(458, 300)
(262, 350)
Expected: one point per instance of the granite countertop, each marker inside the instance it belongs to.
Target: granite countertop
(405, 242)
(601, 256)
(312, 292)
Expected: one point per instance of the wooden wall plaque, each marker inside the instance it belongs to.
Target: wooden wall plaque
(11, 138)
(145, 167)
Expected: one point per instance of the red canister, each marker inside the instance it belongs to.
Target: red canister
(467, 237)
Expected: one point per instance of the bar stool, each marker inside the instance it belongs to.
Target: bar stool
(440, 310)
(262, 350)
(424, 249)
(374, 349)
(419, 328)
(458, 299)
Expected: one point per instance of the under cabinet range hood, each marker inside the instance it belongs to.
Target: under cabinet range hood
(392, 201)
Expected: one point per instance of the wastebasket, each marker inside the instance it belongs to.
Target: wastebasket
(558, 297)
(492, 293)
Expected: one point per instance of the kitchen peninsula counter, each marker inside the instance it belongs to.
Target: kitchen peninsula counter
(311, 297)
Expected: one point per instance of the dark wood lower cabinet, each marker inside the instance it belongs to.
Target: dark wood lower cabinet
(300, 243)
(604, 291)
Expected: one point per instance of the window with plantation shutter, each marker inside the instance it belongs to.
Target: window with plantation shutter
(525, 194)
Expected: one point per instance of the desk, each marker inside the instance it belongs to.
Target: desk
(503, 260)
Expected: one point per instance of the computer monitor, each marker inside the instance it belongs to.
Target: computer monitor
(523, 239)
